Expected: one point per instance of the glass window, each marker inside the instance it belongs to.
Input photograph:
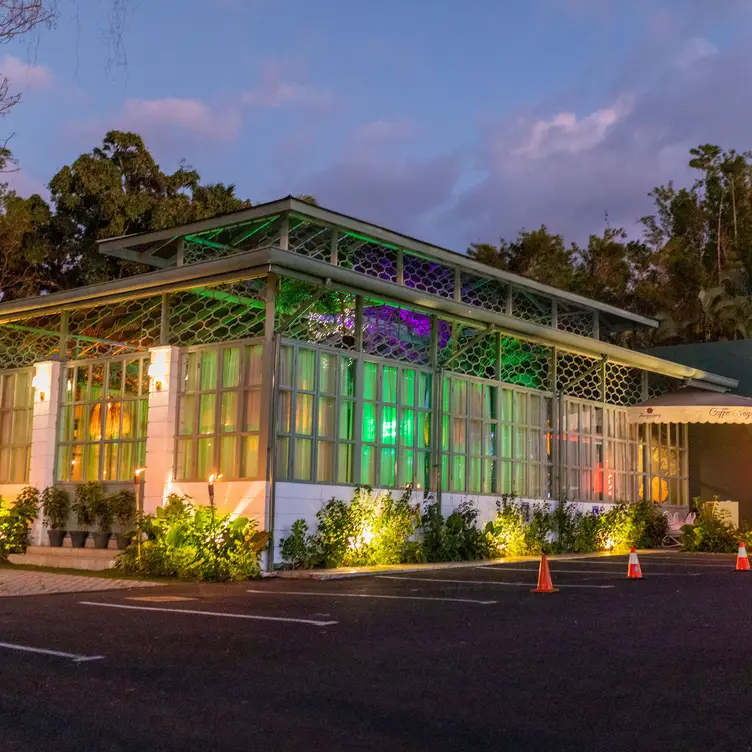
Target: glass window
(102, 423)
(16, 408)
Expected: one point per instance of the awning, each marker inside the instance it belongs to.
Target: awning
(693, 406)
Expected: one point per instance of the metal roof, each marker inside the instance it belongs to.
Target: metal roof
(159, 248)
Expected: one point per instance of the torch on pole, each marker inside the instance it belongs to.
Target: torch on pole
(138, 479)
(213, 477)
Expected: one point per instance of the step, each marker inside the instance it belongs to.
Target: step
(94, 559)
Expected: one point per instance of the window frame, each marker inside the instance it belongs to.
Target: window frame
(12, 447)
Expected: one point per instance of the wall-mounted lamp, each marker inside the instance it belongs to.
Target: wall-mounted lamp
(41, 381)
(158, 371)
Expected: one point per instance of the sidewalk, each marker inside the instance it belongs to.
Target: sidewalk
(346, 572)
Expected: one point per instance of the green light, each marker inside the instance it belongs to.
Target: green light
(371, 240)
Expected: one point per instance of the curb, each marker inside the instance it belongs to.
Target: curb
(350, 572)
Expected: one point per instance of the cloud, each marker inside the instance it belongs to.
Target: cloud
(383, 132)
(21, 75)
(275, 92)
(191, 115)
(694, 51)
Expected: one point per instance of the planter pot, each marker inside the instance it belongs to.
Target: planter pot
(102, 540)
(123, 540)
(78, 538)
(56, 537)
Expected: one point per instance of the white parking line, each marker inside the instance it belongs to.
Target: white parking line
(501, 570)
(489, 582)
(368, 595)
(649, 560)
(57, 653)
(210, 613)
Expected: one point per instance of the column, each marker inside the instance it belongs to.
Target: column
(46, 383)
(164, 374)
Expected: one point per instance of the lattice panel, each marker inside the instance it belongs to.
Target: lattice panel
(228, 240)
(576, 322)
(330, 321)
(114, 328)
(569, 367)
(396, 333)
(531, 307)
(229, 311)
(483, 292)
(480, 358)
(623, 385)
(29, 341)
(310, 239)
(525, 363)
(659, 384)
(367, 256)
(428, 276)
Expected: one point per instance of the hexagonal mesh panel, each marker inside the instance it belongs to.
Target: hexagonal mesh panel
(483, 292)
(228, 311)
(396, 333)
(530, 307)
(525, 363)
(367, 256)
(114, 328)
(428, 276)
(623, 385)
(28, 341)
(659, 384)
(309, 239)
(476, 359)
(330, 321)
(569, 367)
(577, 322)
(228, 240)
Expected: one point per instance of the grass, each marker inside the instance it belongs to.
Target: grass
(109, 574)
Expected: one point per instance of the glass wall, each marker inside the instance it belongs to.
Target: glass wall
(664, 447)
(219, 412)
(16, 409)
(103, 415)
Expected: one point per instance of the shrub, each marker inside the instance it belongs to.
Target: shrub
(712, 531)
(123, 507)
(89, 499)
(454, 538)
(641, 524)
(16, 521)
(55, 507)
(195, 543)
(300, 549)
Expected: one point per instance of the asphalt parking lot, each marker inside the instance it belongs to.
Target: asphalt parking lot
(453, 659)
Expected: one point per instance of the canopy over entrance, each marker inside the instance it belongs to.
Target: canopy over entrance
(693, 406)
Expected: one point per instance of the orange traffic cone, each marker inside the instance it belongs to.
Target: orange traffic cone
(634, 572)
(742, 562)
(544, 578)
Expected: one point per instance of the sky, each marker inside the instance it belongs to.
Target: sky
(455, 122)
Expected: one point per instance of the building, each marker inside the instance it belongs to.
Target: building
(298, 352)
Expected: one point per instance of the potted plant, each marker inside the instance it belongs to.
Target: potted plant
(87, 496)
(55, 510)
(100, 513)
(123, 508)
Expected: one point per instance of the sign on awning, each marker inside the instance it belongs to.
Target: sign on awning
(693, 406)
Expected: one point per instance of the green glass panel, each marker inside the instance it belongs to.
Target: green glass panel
(229, 419)
(145, 376)
(458, 472)
(369, 422)
(127, 461)
(69, 383)
(304, 414)
(446, 388)
(407, 428)
(185, 459)
(190, 372)
(305, 373)
(253, 410)
(327, 416)
(227, 456)
(112, 414)
(77, 463)
(445, 437)
(489, 402)
(253, 368)
(132, 373)
(459, 397)
(8, 390)
(129, 424)
(110, 466)
(143, 417)
(80, 422)
(325, 462)
(93, 426)
(115, 379)
(424, 430)
(407, 388)
(283, 412)
(506, 405)
(19, 467)
(476, 400)
(520, 487)
(92, 461)
(389, 425)
(5, 455)
(406, 467)
(474, 437)
(506, 441)
(282, 468)
(206, 464)
(22, 397)
(187, 414)
(474, 475)
(82, 383)
(520, 446)
(285, 366)
(489, 477)
(327, 373)
(424, 395)
(369, 381)
(96, 387)
(506, 477)
(302, 459)
(347, 419)
(388, 465)
(249, 457)
(231, 367)
(206, 416)
(347, 376)
(422, 470)
(368, 465)
(209, 362)
(345, 463)
(489, 439)
(63, 464)
(445, 472)
(65, 427)
(389, 384)
(459, 440)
